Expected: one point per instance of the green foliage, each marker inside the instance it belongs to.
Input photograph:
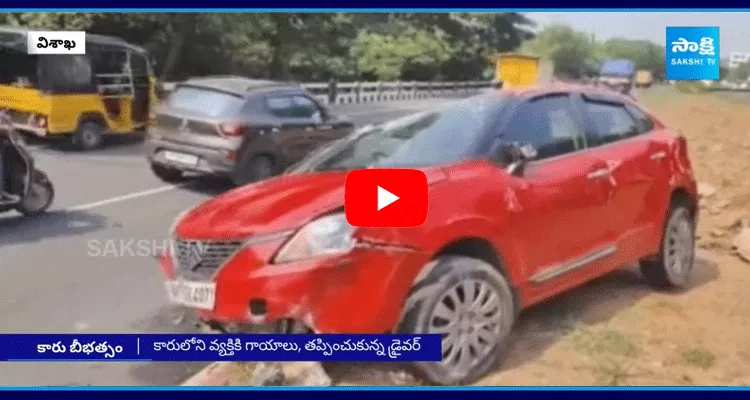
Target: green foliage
(305, 46)
(577, 53)
(645, 54)
(567, 48)
(413, 54)
(740, 73)
(344, 46)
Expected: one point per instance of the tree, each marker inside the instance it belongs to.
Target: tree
(741, 72)
(645, 54)
(306, 46)
(412, 55)
(568, 49)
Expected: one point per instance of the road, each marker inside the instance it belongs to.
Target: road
(88, 267)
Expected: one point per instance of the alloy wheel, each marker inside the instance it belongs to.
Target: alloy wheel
(469, 316)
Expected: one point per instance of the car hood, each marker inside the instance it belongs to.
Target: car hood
(276, 205)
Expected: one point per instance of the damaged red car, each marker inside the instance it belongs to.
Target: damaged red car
(531, 193)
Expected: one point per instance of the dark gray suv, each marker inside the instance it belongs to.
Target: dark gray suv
(243, 129)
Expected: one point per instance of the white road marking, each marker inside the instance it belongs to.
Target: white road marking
(120, 199)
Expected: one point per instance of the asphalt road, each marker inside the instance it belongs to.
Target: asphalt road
(88, 267)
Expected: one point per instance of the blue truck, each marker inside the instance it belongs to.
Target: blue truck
(617, 74)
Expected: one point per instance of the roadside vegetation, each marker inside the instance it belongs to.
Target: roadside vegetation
(347, 46)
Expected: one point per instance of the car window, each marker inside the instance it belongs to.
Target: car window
(549, 124)
(304, 107)
(281, 106)
(206, 102)
(645, 124)
(612, 121)
(443, 135)
(295, 106)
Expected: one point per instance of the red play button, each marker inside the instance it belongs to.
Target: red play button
(386, 197)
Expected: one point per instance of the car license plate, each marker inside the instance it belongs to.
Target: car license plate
(192, 294)
(187, 159)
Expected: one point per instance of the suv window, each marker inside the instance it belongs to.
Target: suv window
(296, 106)
(280, 106)
(549, 124)
(645, 124)
(304, 107)
(612, 121)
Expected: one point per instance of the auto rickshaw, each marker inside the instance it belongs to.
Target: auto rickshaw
(517, 70)
(109, 90)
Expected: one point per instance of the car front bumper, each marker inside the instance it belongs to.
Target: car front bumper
(362, 291)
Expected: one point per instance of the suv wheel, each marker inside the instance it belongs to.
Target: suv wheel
(472, 305)
(254, 169)
(673, 265)
(166, 174)
(88, 136)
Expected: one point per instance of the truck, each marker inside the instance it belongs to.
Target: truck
(617, 74)
(514, 70)
(643, 78)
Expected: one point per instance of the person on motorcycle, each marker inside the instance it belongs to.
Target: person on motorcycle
(6, 125)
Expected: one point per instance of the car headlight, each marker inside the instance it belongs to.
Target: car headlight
(330, 234)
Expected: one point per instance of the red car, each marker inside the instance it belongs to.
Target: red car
(531, 193)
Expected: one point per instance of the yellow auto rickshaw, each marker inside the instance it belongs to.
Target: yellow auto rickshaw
(517, 70)
(109, 90)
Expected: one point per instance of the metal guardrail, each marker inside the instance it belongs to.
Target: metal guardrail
(375, 92)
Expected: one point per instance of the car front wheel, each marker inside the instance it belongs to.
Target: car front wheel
(471, 305)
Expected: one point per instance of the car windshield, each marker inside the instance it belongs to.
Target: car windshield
(445, 135)
(205, 102)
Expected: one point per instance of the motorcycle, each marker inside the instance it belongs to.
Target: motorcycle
(30, 189)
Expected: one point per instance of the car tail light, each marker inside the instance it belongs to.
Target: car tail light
(231, 129)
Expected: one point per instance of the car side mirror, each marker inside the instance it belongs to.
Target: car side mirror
(514, 156)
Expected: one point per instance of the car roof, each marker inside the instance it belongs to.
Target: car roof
(90, 38)
(556, 87)
(240, 85)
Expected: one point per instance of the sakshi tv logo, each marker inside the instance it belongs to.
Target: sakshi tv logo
(692, 53)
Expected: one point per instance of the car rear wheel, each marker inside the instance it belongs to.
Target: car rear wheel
(471, 305)
(254, 169)
(674, 263)
(167, 174)
(88, 136)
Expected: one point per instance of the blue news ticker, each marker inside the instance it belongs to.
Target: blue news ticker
(213, 347)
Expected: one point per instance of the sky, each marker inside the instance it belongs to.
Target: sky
(734, 27)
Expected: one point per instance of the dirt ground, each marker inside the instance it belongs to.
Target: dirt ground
(617, 330)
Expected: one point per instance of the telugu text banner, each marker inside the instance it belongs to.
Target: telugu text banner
(221, 347)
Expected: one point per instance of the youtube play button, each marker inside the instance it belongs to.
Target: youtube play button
(386, 197)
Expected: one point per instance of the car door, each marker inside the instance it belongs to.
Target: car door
(292, 129)
(560, 197)
(326, 128)
(634, 162)
(659, 194)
